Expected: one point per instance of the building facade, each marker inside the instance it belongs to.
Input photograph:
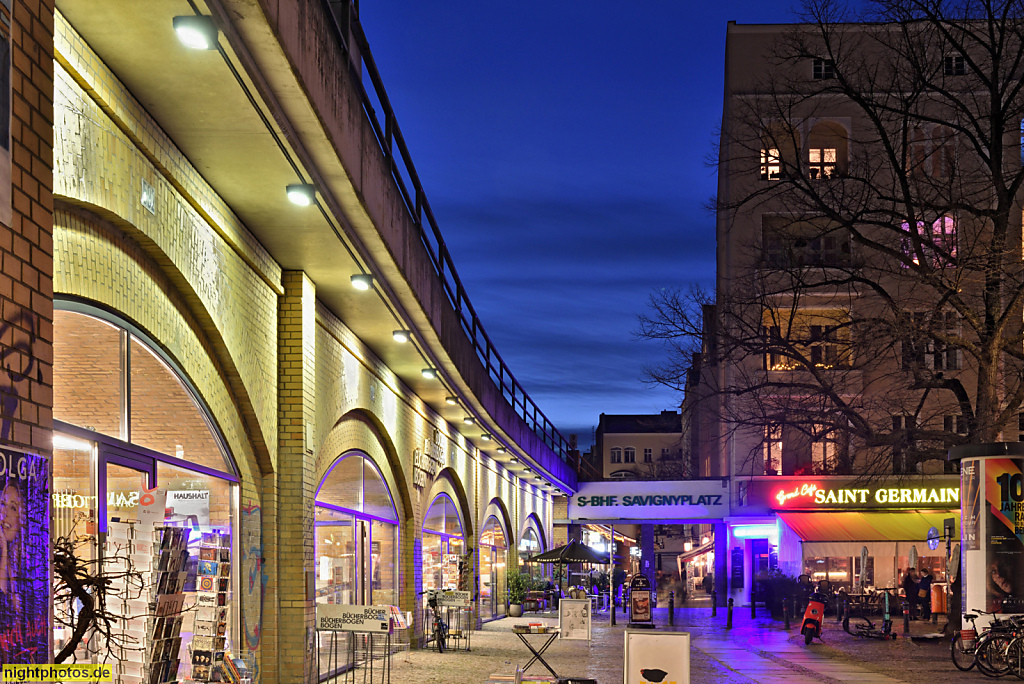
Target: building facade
(225, 415)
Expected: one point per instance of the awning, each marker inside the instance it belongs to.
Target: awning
(700, 550)
(865, 526)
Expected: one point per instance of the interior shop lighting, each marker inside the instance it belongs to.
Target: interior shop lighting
(754, 531)
(429, 373)
(301, 194)
(196, 31)
(451, 401)
(362, 281)
(705, 540)
(401, 336)
(687, 545)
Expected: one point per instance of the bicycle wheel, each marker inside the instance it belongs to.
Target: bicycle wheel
(963, 658)
(439, 638)
(991, 655)
(1015, 657)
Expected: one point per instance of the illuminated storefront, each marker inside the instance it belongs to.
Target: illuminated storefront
(530, 545)
(493, 558)
(443, 544)
(820, 527)
(143, 483)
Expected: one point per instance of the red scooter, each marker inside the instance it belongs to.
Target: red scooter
(815, 613)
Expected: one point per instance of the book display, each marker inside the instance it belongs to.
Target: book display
(167, 590)
(209, 620)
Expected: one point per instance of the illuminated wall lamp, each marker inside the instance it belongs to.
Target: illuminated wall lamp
(486, 436)
(754, 531)
(196, 31)
(301, 194)
(429, 373)
(469, 420)
(502, 450)
(362, 281)
(451, 401)
(401, 336)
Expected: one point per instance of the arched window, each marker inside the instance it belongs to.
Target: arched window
(616, 454)
(493, 548)
(530, 545)
(443, 544)
(827, 151)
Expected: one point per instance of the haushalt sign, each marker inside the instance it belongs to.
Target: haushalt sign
(639, 499)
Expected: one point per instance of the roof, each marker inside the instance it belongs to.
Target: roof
(664, 422)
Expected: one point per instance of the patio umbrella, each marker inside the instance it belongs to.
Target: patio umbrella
(573, 552)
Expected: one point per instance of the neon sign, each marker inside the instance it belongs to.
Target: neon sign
(803, 495)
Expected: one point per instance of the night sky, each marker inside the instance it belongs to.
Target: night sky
(564, 153)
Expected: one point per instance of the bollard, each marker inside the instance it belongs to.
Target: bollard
(906, 617)
(671, 607)
(728, 616)
(785, 610)
(753, 604)
(714, 603)
(842, 605)
(614, 607)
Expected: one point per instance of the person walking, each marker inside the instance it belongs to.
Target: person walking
(910, 589)
(924, 593)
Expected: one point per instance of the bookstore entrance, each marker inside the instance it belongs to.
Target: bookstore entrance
(144, 492)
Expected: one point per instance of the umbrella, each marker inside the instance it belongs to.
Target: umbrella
(573, 552)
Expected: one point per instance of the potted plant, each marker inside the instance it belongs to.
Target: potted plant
(518, 585)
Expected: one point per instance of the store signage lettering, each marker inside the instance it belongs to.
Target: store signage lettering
(694, 499)
(655, 500)
(345, 618)
(114, 500)
(805, 494)
(428, 461)
(20, 466)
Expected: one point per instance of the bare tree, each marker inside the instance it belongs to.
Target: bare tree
(870, 195)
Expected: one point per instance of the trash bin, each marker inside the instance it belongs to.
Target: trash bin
(939, 598)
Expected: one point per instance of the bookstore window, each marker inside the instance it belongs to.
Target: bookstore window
(144, 484)
(443, 545)
(493, 551)
(530, 545)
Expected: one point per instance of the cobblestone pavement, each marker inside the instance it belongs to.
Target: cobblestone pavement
(753, 651)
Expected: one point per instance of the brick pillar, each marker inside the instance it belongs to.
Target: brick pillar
(294, 479)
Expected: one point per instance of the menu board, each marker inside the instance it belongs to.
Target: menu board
(574, 619)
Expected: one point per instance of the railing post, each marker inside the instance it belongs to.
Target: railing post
(671, 607)
(728, 616)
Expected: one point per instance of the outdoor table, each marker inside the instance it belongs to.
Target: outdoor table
(538, 654)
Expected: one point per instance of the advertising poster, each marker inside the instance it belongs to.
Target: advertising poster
(1004, 556)
(970, 504)
(574, 619)
(640, 599)
(24, 557)
(190, 506)
(656, 657)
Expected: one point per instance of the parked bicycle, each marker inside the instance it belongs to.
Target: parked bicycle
(867, 628)
(440, 627)
(993, 651)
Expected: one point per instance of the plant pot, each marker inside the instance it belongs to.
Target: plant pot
(515, 610)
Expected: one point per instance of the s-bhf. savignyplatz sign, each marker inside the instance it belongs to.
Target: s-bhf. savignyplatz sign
(647, 501)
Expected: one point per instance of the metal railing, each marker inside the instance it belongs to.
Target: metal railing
(389, 139)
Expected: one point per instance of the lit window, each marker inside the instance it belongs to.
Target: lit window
(823, 69)
(771, 164)
(616, 455)
(938, 245)
(822, 163)
(954, 66)
(629, 455)
(773, 450)
(823, 452)
(819, 339)
(648, 455)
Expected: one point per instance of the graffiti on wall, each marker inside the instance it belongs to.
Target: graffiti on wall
(253, 580)
(19, 364)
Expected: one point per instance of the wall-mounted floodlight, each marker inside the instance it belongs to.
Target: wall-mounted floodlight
(429, 373)
(502, 450)
(469, 420)
(451, 401)
(401, 336)
(486, 436)
(301, 194)
(362, 281)
(196, 31)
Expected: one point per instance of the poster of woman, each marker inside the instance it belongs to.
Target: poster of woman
(1004, 559)
(24, 557)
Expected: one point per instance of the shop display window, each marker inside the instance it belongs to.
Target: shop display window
(443, 545)
(493, 551)
(529, 546)
(157, 514)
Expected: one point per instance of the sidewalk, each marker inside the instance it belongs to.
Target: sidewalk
(753, 651)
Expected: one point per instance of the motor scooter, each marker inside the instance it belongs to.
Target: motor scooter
(815, 613)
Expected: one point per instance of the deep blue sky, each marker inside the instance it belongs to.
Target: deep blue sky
(563, 148)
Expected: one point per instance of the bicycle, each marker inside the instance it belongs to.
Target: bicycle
(990, 651)
(868, 630)
(440, 627)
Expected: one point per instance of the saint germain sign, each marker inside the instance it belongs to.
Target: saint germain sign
(647, 500)
(803, 494)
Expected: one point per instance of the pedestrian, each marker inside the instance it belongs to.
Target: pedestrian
(924, 593)
(910, 589)
(708, 583)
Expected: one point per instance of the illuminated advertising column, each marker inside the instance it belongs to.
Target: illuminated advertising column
(992, 527)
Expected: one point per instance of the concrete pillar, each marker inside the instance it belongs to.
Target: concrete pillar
(293, 482)
(647, 562)
(721, 561)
